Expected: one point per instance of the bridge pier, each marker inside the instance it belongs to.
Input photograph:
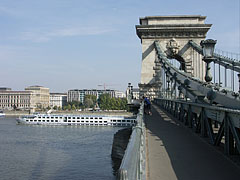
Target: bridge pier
(173, 34)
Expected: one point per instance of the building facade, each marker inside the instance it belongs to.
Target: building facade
(15, 100)
(79, 94)
(136, 93)
(120, 94)
(40, 96)
(58, 99)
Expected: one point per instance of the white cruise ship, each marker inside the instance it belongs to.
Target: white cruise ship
(88, 120)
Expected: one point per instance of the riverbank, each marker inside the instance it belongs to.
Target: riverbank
(109, 113)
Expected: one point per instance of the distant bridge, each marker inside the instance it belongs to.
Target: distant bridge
(187, 81)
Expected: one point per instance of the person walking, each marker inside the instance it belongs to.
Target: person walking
(147, 106)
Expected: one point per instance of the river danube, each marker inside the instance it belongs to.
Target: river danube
(55, 152)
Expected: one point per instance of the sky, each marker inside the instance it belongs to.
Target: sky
(83, 44)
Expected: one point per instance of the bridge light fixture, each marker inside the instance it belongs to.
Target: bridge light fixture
(208, 49)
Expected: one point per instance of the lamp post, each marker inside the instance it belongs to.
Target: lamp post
(208, 49)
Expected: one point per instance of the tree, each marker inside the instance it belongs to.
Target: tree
(104, 101)
(69, 107)
(89, 101)
(73, 107)
(55, 107)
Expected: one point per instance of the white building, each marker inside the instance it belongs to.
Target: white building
(58, 99)
(40, 96)
(136, 93)
(79, 94)
(120, 94)
(15, 99)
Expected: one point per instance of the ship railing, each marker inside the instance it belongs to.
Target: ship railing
(134, 160)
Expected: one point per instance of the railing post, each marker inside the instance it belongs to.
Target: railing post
(229, 142)
(239, 83)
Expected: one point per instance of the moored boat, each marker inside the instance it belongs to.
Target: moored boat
(88, 120)
(2, 114)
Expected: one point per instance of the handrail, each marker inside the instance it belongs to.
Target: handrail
(195, 89)
(133, 162)
(222, 60)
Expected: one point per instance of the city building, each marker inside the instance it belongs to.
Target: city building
(5, 89)
(79, 94)
(15, 99)
(120, 94)
(40, 96)
(58, 99)
(136, 93)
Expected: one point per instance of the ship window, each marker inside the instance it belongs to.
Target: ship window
(27, 120)
(56, 117)
(56, 120)
(47, 117)
(73, 121)
(105, 121)
(96, 118)
(47, 120)
(43, 120)
(100, 118)
(39, 120)
(82, 117)
(73, 117)
(35, 120)
(91, 121)
(78, 117)
(82, 121)
(96, 121)
(86, 117)
(52, 120)
(78, 121)
(31, 120)
(87, 121)
(65, 121)
(69, 121)
(91, 117)
(100, 121)
(114, 120)
(118, 120)
(128, 120)
(52, 117)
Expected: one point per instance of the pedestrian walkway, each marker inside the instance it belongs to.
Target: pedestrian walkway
(174, 152)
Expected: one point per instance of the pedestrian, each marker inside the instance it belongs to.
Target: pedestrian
(147, 106)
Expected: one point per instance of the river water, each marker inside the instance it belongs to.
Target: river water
(55, 152)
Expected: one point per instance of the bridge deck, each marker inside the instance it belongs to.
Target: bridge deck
(174, 152)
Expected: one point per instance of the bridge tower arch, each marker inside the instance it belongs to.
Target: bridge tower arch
(173, 34)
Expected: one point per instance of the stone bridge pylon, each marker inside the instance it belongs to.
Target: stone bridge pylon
(173, 34)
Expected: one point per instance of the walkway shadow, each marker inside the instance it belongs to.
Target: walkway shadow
(191, 158)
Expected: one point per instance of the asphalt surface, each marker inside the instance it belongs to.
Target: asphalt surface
(174, 152)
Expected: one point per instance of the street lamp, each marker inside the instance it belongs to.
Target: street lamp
(208, 49)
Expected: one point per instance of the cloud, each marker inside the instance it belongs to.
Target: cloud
(47, 35)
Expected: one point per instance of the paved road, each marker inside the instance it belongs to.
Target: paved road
(174, 152)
